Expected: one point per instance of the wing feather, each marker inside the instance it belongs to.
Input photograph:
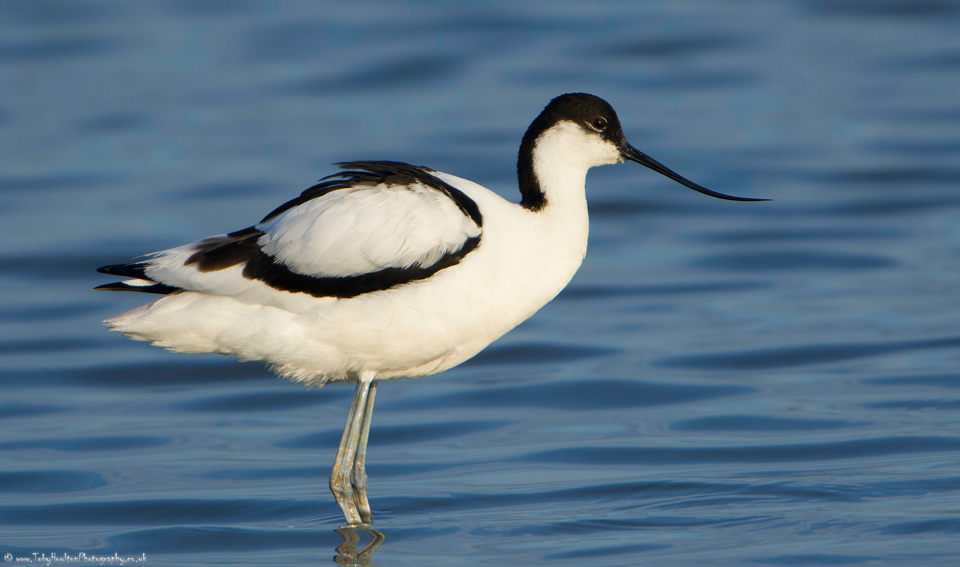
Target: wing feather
(376, 226)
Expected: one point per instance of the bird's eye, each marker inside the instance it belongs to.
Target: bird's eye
(599, 123)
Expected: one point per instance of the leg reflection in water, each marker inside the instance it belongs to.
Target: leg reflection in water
(347, 551)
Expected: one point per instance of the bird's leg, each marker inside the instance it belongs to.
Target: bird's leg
(340, 479)
(360, 463)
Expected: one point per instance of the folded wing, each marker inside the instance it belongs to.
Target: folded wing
(374, 226)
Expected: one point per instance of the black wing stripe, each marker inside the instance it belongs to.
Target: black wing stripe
(136, 271)
(372, 173)
(133, 270)
(222, 252)
(155, 288)
(264, 268)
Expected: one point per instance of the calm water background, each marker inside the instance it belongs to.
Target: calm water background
(721, 384)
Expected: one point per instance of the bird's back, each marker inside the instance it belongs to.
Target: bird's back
(486, 266)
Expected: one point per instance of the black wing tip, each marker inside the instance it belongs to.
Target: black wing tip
(116, 286)
(134, 270)
(374, 165)
(371, 173)
(381, 168)
(249, 231)
(161, 289)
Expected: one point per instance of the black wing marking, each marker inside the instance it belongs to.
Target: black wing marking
(241, 247)
(221, 252)
(372, 173)
(133, 270)
(159, 288)
(213, 254)
(266, 269)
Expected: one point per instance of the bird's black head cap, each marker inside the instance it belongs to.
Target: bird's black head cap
(594, 115)
(591, 112)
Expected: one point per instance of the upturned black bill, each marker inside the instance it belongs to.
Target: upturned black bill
(631, 153)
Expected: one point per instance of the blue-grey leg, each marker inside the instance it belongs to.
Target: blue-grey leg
(341, 478)
(360, 462)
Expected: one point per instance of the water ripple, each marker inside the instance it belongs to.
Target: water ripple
(59, 48)
(248, 402)
(896, 9)
(402, 434)
(172, 374)
(21, 410)
(87, 444)
(409, 72)
(35, 481)
(606, 292)
(585, 396)
(538, 353)
(936, 380)
(168, 511)
(670, 47)
(810, 452)
(760, 423)
(605, 551)
(793, 260)
(802, 355)
(948, 526)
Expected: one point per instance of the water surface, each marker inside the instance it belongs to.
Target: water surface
(722, 383)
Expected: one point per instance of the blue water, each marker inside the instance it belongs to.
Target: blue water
(721, 384)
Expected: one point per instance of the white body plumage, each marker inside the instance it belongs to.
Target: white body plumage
(422, 327)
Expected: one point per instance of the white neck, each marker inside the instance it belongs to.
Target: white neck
(561, 227)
